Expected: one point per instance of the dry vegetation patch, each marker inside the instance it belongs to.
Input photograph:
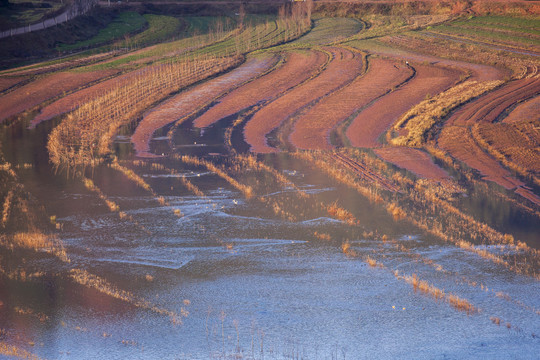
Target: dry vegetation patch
(85, 135)
(371, 123)
(415, 124)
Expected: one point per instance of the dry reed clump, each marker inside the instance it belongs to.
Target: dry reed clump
(36, 241)
(347, 250)
(426, 288)
(251, 162)
(192, 187)
(322, 236)
(7, 206)
(372, 262)
(327, 164)
(132, 176)
(246, 190)
(143, 184)
(341, 214)
(396, 212)
(89, 184)
(86, 133)
(417, 122)
(11, 350)
(87, 279)
(27, 311)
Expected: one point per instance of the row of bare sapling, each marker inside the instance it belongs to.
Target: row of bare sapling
(85, 135)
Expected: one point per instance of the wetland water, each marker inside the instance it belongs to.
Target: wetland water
(242, 281)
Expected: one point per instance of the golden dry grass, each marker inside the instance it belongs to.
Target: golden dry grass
(438, 294)
(14, 351)
(415, 124)
(87, 279)
(85, 135)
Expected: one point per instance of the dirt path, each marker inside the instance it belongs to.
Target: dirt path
(378, 117)
(298, 67)
(189, 101)
(312, 129)
(413, 160)
(30, 95)
(342, 69)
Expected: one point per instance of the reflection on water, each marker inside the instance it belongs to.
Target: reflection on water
(257, 278)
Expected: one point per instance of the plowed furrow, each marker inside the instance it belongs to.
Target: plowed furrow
(343, 68)
(526, 111)
(38, 91)
(378, 117)
(489, 107)
(298, 67)
(186, 103)
(312, 129)
(458, 141)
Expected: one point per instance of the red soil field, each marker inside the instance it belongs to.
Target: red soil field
(526, 111)
(518, 142)
(342, 69)
(375, 120)
(488, 107)
(7, 82)
(187, 102)
(298, 67)
(456, 137)
(457, 141)
(478, 72)
(413, 160)
(44, 89)
(312, 129)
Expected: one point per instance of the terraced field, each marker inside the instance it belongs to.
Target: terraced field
(277, 187)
